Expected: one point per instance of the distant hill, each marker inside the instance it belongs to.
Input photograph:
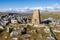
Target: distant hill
(43, 14)
(51, 12)
(3, 13)
(17, 14)
(29, 13)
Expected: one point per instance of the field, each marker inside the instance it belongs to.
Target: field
(47, 15)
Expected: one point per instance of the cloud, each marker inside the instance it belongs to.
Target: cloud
(54, 7)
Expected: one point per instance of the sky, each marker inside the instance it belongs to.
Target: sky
(22, 5)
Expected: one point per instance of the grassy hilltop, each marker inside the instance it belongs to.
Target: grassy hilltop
(30, 29)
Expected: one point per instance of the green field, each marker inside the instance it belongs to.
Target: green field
(47, 15)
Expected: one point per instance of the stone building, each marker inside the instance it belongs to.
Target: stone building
(36, 17)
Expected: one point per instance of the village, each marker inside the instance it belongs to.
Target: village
(14, 27)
